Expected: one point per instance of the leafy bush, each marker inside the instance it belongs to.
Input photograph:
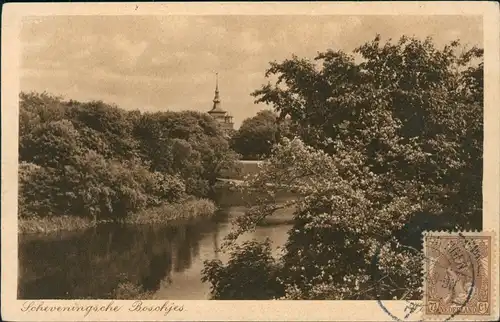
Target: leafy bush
(130, 291)
(51, 144)
(39, 190)
(250, 274)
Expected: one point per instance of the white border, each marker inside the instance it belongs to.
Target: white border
(230, 310)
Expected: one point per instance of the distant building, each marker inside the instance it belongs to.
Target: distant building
(224, 119)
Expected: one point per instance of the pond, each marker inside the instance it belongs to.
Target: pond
(164, 259)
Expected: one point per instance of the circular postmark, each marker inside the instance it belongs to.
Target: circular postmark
(449, 278)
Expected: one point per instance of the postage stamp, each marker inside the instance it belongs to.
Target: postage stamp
(458, 275)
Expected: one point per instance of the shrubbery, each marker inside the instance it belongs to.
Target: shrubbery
(250, 274)
(130, 291)
(98, 161)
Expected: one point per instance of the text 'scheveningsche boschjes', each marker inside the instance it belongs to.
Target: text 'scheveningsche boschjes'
(112, 307)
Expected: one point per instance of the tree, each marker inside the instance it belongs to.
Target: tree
(51, 144)
(96, 160)
(38, 190)
(36, 108)
(386, 147)
(108, 124)
(190, 144)
(414, 111)
(257, 135)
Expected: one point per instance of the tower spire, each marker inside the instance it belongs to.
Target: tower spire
(224, 119)
(217, 82)
(216, 100)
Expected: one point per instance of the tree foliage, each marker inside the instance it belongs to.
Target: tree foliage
(388, 144)
(241, 281)
(190, 144)
(257, 135)
(94, 159)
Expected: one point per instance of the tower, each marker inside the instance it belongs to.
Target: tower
(222, 117)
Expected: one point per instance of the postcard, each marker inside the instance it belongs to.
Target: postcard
(250, 161)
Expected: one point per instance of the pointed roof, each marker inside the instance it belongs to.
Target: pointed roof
(216, 107)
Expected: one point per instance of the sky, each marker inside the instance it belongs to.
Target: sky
(160, 63)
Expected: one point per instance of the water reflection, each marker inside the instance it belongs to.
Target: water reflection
(91, 263)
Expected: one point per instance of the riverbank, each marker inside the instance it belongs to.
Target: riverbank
(46, 225)
(189, 209)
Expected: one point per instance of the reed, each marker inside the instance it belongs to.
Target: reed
(167, 213)
(189, 209)
(36, 224)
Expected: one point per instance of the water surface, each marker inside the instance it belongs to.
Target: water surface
(164, 259)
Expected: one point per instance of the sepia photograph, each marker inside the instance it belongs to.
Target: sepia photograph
(238, 156)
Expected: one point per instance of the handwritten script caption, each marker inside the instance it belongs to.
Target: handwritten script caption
(87, 309)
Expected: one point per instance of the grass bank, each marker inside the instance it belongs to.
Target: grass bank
(189, 209)
(45, 225)
(195, 208)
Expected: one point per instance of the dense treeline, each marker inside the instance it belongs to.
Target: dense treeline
(257, 135)
(96, 160)
(388, 144)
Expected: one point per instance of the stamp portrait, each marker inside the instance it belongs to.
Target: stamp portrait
(458, 275)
